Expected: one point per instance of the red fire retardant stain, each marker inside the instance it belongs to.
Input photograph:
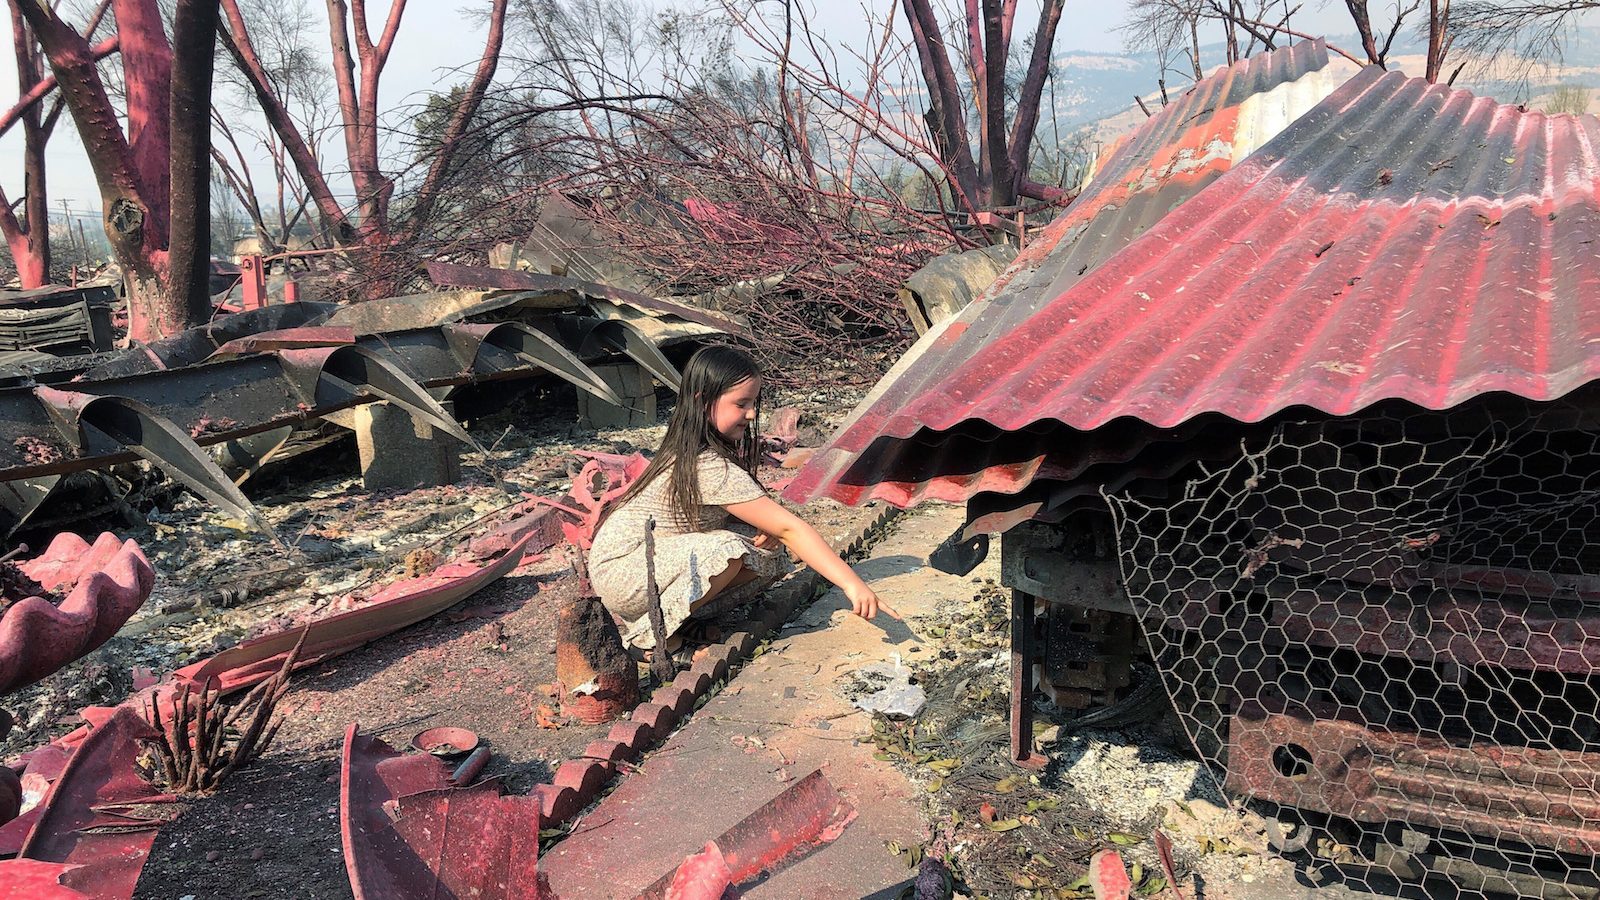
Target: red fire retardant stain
(703, 876)
(808, 815)
(105, 583)
(408, 834)
(29, 879)
(1108, 877)
(396, 606)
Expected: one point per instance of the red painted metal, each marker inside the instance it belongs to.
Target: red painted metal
(806, 816)
(1549, 798)
(105, 584)
(253, 283)
(390, 609)
(29, 879)
(408, 834)
(97, 816)
(1402, 240)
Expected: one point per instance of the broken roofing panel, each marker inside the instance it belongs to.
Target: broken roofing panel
(1401, 241)
(1170, 158)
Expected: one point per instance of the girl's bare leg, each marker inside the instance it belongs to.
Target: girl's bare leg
(734, 575)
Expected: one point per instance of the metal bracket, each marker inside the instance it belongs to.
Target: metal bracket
(530, 346)
(98, 421)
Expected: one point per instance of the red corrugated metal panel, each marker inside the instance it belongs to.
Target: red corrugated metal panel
(1400, 241)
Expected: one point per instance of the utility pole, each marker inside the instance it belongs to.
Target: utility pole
(66, 216)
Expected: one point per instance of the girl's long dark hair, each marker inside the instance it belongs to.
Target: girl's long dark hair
(711, 372)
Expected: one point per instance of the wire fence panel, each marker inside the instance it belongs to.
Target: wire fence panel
(1385, 628)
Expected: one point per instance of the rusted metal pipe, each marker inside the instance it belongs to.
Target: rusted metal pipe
(470, 768)
(1022, 605)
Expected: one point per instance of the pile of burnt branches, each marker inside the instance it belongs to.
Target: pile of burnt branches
(205, 738)
(713, 205)
(732, 207)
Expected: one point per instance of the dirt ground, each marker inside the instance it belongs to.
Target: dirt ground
(272, 830)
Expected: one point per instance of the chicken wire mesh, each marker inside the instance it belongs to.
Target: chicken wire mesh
(1385, 628)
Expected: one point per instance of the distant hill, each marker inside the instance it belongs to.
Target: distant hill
(1092, 87)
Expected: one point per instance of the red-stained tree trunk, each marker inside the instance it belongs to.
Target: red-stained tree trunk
(29, 236)
(135, 168)
(997, 173)
(368, 231)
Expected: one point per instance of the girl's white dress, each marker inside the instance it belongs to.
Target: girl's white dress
(688, 556)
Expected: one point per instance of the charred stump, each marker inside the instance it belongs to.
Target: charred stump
(597, 678)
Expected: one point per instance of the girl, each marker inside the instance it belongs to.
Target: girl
(703, 473)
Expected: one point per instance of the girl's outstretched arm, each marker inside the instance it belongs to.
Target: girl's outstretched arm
(809, 547)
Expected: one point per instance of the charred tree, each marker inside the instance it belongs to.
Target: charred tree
(368, 231)
(134, 167)
(997, 174)
(28, 237)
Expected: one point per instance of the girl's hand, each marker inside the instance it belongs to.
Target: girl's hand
(765, 541)
(864, 602)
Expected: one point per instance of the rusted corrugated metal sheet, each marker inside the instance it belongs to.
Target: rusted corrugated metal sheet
(1170, 158)
(1401, 241)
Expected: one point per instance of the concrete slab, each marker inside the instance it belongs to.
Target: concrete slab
(780, 718)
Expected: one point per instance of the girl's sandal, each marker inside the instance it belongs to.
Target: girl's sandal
(700, 632)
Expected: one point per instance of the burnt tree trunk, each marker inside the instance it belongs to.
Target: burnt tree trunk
(1004, 143)
(194, 34)
(134, 169)
(33, 260)
(29, 237)
(376, 245)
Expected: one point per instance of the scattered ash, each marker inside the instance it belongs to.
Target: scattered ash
(1007, 832)
(36, 451)
(218, 584)
(49, 709)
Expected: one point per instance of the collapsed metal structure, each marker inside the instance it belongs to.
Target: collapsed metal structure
(245, 379)
(1326, 433)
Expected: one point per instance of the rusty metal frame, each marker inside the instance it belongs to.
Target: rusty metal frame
(1547, 798)
(1022, 692)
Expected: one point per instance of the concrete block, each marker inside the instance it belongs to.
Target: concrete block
(557, 803)
(398, 452)
(636, 735)
(637, 390)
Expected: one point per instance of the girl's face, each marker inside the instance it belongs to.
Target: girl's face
(732, 413)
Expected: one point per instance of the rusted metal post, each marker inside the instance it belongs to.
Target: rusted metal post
(291, 292)
(1022, 625)
(253, 282)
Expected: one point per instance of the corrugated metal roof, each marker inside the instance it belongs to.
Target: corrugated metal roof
(1400, 241)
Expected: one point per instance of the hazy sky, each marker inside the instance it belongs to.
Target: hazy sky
(436, 39)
